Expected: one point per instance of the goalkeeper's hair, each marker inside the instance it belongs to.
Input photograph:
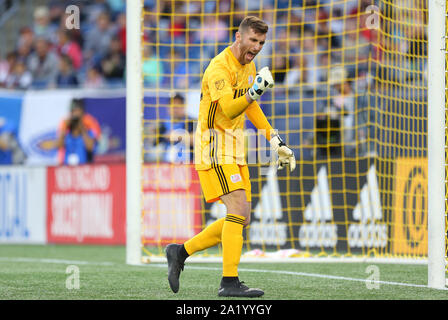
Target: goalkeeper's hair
(254, 23)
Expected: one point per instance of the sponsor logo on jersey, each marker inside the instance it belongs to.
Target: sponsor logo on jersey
(235, 178)
(219, 85)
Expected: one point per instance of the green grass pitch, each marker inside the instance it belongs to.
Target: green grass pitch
(40, 272)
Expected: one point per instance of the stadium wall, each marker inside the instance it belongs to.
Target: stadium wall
(87, 205)
(23, 205)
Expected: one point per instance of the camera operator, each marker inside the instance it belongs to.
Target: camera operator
(11, 151)
(77, 141)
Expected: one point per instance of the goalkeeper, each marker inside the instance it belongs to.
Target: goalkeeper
(230, 89)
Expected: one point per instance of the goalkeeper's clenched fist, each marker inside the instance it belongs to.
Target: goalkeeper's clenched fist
(263, 80)
(285, 154)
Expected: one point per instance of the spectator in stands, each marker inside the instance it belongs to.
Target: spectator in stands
(77, 136)
(153, 69)
(172, 140)
(113, 64)
(177, 76)
(19, 77)
(177, 28)
(56, 9)
(98, 39)
(354, 53)
(335, 121)
(180, 131)
(95, 79)
(10, 149)
(416, 47)
(212, 30)
(94, 9)
(324, 60)
(309, 11)
(279, 68)
(26, 38)
(121, 31)
(116, 6)
(324, 32)
(265, 56)
(297, 73)
(66, 77)
(24, 50)
(75, 35)
(282, 41)
(308, 53)
(66, 46)
(42, 24)
(239, 15)
(25, 44)
(151, 25)
(6, 67)
(343, 102)
(43, 64)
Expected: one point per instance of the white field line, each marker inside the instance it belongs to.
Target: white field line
(195, 267)
(56, 261)
(311, 275)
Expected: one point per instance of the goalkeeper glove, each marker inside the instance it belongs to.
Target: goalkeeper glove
(285, 154)
(263, 80)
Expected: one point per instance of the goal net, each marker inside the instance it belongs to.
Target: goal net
(350, 99)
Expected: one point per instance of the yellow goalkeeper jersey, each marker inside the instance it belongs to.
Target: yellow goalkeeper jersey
(218, 139)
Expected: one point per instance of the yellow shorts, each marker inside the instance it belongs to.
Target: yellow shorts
(224, 179)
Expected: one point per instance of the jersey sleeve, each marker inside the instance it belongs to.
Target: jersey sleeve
(219, 82)
(258, 119)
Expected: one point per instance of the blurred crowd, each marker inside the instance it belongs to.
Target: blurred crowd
(47, 54)
(329, 58)
(307, 38)
(304, 40)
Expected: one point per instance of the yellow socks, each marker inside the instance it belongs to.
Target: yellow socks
(229, 231)
(232, 244)
(207, 238)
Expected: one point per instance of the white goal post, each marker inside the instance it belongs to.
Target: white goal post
(134, 159)
(436, 143)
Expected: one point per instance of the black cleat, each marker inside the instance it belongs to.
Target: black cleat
(175, 265)
(238, 289)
